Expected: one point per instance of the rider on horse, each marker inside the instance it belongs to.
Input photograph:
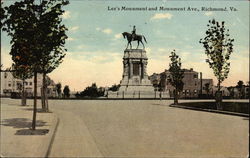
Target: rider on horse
(133, 33)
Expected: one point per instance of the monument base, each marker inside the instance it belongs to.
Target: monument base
(135, 82)
(135, 77)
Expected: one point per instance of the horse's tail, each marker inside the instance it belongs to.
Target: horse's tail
(145, 39)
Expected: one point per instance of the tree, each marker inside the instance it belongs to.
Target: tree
(155, 84)
(52, 40)
(59, 89)
(162, 83)
(240, 87)
(25, 23)
(114, 87)
(207, 88)
(92, 91)
(218, 48)
(21, 25)
(2, 14)
(176, 75)
(66, 91)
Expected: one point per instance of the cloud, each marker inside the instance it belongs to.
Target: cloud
(74, 28)
(118, 36)
(80, 46)
(162, 16)
(70, 39)
(107, 31)
(98, 67)
(162, 50)
(66, 15)
(208, 13)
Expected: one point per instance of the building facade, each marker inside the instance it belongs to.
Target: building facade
(9, 84)
(194, 84)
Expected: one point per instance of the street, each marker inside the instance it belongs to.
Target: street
(140, 128)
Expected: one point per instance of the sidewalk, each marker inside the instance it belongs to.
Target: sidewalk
(17, 140)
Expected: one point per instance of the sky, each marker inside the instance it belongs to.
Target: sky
(95, 44)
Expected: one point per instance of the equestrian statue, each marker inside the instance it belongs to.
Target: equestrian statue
(134, 37)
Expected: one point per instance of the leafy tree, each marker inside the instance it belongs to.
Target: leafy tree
(66, 91)
(162, 83)
(218, 48)
(2, 14)
(231, 91)
(92, 91)
(21, 25)
(176, 75)
(207, 88)
(25, 23)
(155, 84)
(52, 40)
(240, 87)
(59, 89)
(114, 87)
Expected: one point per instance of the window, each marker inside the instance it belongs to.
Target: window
(195, 76)
(30, 83)
(5, 75)
(9, 85)
(135, 68)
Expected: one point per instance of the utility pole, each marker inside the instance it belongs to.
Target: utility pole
(201, 83)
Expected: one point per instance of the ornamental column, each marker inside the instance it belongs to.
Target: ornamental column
(131, 69)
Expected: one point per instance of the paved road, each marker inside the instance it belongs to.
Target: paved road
(145, 128)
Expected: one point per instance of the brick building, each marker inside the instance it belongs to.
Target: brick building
(194, 84)
(10, 84)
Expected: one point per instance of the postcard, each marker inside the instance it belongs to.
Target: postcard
(133, 78)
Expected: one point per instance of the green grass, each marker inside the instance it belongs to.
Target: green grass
(238, 107)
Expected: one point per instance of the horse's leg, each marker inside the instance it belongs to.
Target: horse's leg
(137, 44)
(130, 45)
(142, 44)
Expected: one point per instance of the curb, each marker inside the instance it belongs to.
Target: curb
(53, 137)
(211, 110)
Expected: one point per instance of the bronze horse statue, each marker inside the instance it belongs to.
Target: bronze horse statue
(137, 38)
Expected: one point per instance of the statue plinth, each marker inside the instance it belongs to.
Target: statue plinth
(135, 77)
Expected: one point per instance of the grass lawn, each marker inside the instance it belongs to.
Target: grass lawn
(238, 107)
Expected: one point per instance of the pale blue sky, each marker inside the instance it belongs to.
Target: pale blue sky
(95, 47)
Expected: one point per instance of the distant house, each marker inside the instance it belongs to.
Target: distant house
(193, 85)
(9, 84)
(236, 93)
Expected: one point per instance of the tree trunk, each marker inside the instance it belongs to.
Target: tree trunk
(175, 97)
(218, 97)
(43, 91)
(35, 99)
(23, 95)
(46, 98)
(160, 95)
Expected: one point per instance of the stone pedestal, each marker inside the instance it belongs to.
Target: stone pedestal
(135, 77)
